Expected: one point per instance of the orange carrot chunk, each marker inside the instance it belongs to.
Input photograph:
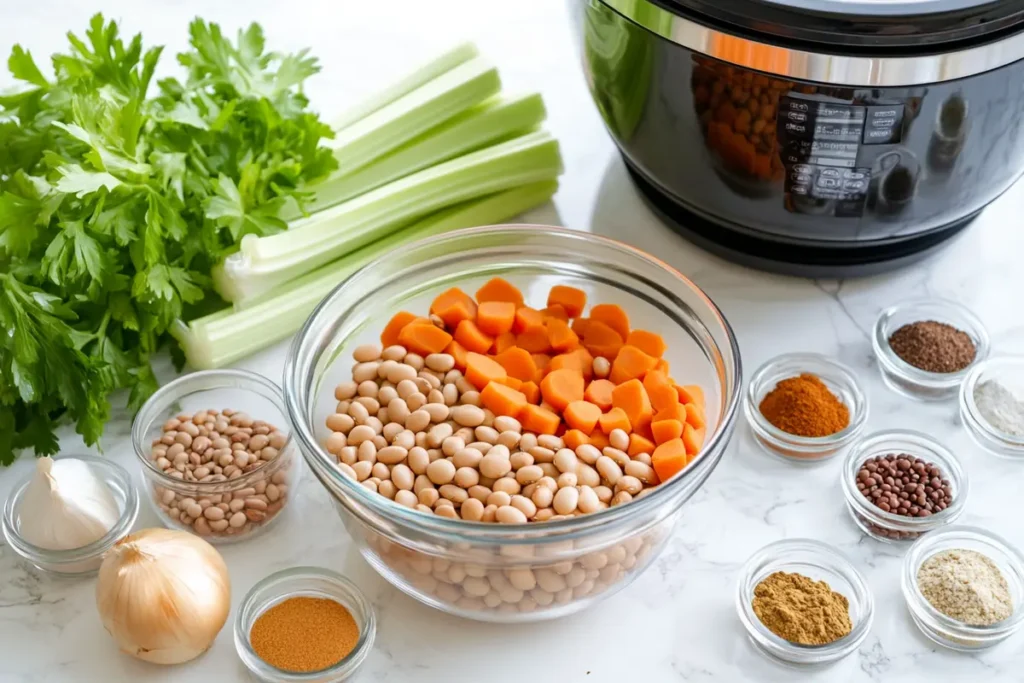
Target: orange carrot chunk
(572, 300)
(615, 418)
(632, 398)
(497, 289)
(693, 439)
(518, 363)
(561, 387)
(539, 420)
(534, 340)
(695, 415)
(660, 390)
(601, 340)
(669, 459)
(579, 326)
(424, 338)
(472, 337)
(666, 430)
(662, 366)
(512, 382)
(598, 439)
(574, 438)
(502, 400)
(690, 393)
(389, 337)
(582, 415)
(676, 411)
(527, 319)
(639, 444)
(495, 317)
(650, 343)
(531, 391)
(630, 363)
(459, 353)
(560, 336)
(599, 392)
(506, 341)
(480, 370)
(453, 306)
(557, 312)
(613, 316)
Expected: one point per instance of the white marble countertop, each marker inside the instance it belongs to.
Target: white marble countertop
(678, 620)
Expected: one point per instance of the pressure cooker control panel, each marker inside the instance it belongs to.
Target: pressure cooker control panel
(825, 149)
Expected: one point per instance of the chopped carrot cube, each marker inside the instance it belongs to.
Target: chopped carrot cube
(666, 430)
(531, 391)
(459, 353)
(502, 400)
(639, 444)
(669, 459)
(695, 415)
(424, 338)
(539, 420)
(582, 415)
(480, 370)
(561, 387)
(518, 363)
(690, 393)
(660, 391)
(453, 306)
(630, 363)
(497, 289)
(601, 340)
(615, 418)
(534, 340)
(472, 338)
(676, 411)
(389, 337)
(613, 316)
(599, 392)
(557, 312)
(504, 342)
(693, 439)
(495, 317)
(560, 337)
(632, 398)
(571, 299)
(650, 343)
(527, 319)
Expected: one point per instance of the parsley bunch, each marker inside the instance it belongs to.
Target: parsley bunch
(116, 202)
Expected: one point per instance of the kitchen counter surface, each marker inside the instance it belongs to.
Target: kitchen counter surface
(677, 621)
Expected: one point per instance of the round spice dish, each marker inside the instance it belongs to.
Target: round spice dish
(820, 562)
(217, 454)
(304, 582)
(943, 629)
(839, 380)
(913, 382)
(890, 526)
(999, 384)
(87, 559)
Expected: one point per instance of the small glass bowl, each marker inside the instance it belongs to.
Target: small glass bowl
(313, 582)
(87, 559)
(818, 561)
(945, 630)
(270, 484)
(887, 526)
(1009, 370)
(802, 449)
(904, 378)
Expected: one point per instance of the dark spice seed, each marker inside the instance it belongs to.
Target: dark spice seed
(904, 484)
(933, 346)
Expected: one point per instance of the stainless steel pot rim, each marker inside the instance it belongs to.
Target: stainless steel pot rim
(831, 69)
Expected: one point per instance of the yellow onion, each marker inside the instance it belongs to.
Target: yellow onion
(163, 595)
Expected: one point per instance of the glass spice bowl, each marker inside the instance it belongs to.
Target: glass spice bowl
(840, 380)
(888, 526)
(265, 490)
(86, 560)
(818, 561)
(945, 630)
(310, 582)
(904, 378)
(1009, 370)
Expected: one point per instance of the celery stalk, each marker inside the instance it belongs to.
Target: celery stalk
(415, 112)
(424, 74)
(224, 337)
(494, 120)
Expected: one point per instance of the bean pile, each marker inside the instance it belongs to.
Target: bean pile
(214, 447)
(904, 485)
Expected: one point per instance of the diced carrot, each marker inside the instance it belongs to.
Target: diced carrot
(557, 312)
(424, 338)
(601, 340)
(503, 342)
(599, 392)
(502, 400)
(639, 444)
(598, 439)
(534, 340)
(669, 458)
(615, 418)
(560, 336)
(644, 430)
(666, 430)
(572, 300)
(497, 289)
(632, 398)
(453, 306)
(578, 359)
(693, 440)
(542, 361)
(527, 319)
(472, 338)
(676, 411)
(513, 383)
(518, 363)
(389, 337)
(613, 316)
(579, 326)
(539, 420)
(660, 391)
(690, 393)
(650, 343)
(587, 361)
(546, 406)
(495, 317)
(561, 387)
(459, 353)
(630, 363)
(531, 391)
(574, 438)
(480, 370)
(695, 415)
(582, 415)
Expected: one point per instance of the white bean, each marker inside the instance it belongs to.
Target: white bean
(566, 500)
(506, 514)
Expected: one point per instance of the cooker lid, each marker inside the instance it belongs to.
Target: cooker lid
(904, 26)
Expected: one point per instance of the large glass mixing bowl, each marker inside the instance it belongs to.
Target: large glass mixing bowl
(509, 573)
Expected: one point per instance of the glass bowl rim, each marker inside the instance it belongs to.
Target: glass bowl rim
(178, 388)
(775, 553)
(512, 534)
(923, 548)
(1005, 442)
(120, 529)
(955, 471)
(279, 586)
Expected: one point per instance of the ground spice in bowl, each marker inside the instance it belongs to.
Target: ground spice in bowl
(303, 634)
(801, 610)
(965, 585)
(804, 406)
(933, 346)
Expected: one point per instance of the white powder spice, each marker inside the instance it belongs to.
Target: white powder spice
(1000, 407)
(965, 585)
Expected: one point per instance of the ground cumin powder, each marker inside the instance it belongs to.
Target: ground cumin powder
(304, 634)
(804, 406)
(801, 610)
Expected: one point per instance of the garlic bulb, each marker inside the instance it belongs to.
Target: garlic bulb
(66, 506)
(163, 595)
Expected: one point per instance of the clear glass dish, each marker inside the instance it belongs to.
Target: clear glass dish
(263, 492)
(1009, 370)
(464, 567)
(840, 380)
(86, 560)
(887, 526)
(904, 378)
(945, 630)
(818, 561)
(312, 582)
